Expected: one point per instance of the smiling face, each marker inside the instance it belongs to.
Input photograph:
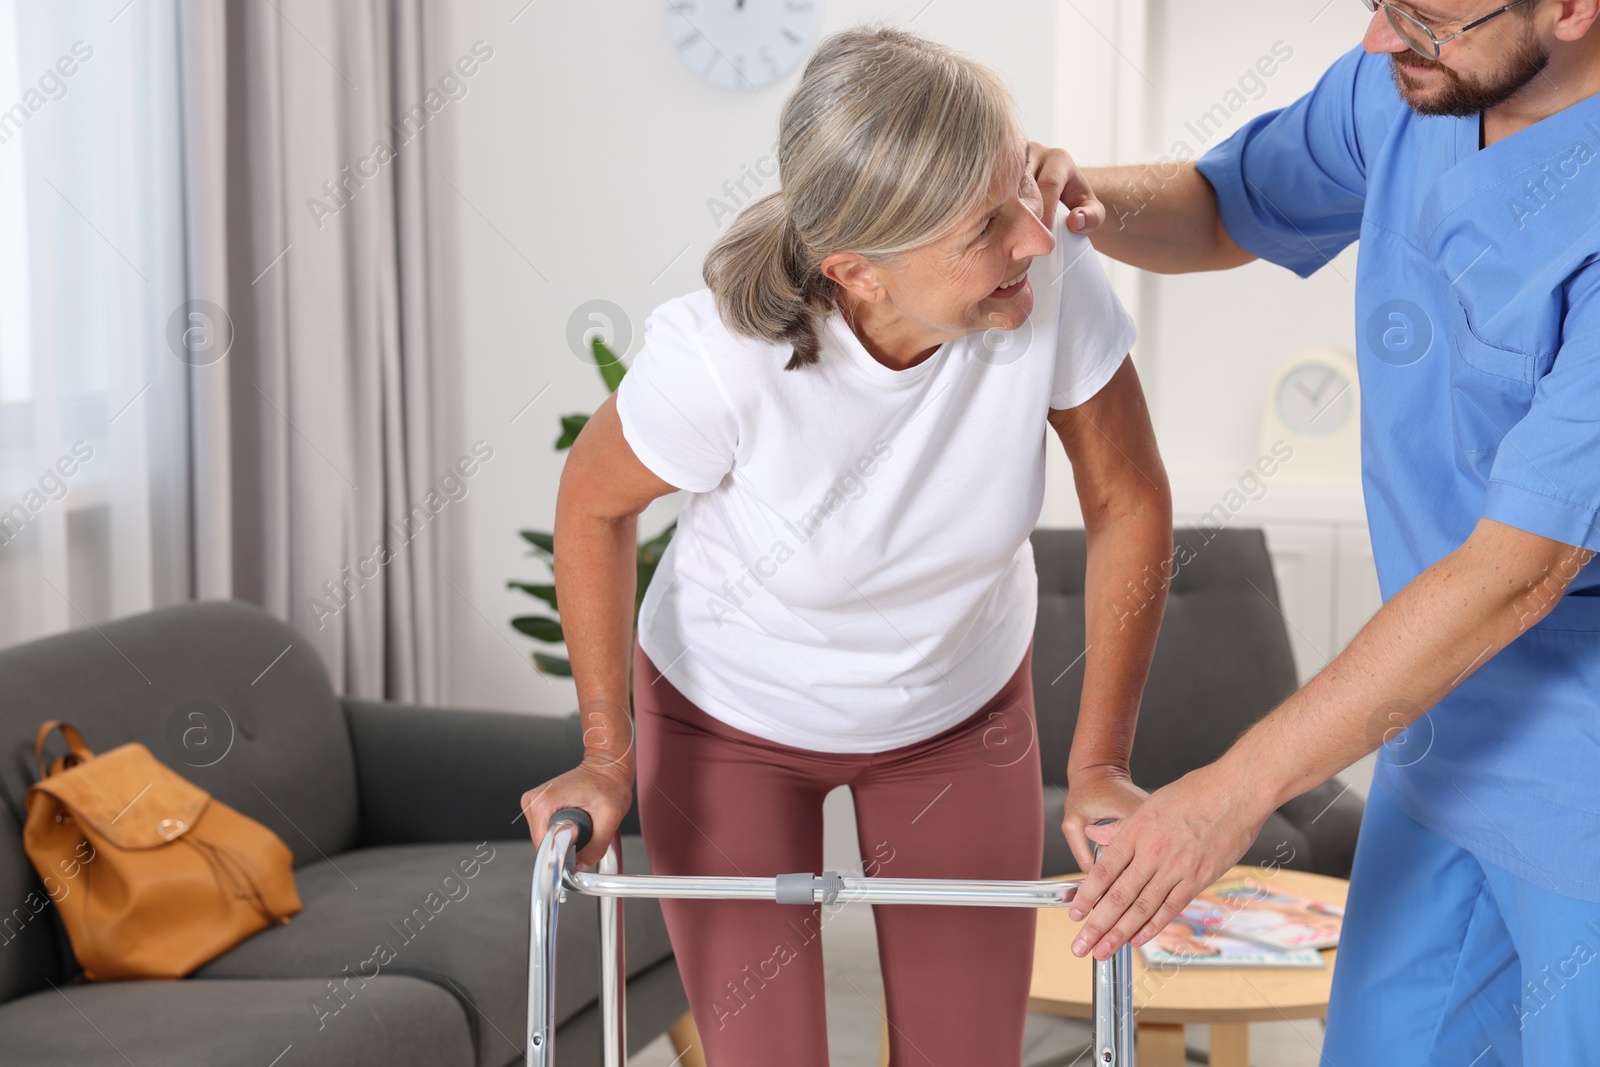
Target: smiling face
(1477, 71)
(955, 285)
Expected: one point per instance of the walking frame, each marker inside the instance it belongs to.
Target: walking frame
(554, 876)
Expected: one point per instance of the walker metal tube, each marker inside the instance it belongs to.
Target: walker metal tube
(554, 875)
(1041, 894)
(613, 1017)
(1112, 997)
(554, 853)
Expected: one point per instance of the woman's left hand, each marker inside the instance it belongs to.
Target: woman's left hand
(1095, 793)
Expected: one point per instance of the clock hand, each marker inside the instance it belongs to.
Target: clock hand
(1333, 376)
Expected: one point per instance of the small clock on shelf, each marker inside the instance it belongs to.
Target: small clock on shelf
(1314, 404)
(741, 44)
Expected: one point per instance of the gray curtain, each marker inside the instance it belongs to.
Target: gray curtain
(314, 440)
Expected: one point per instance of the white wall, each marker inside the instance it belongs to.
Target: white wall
(1215, 340)
(585, 154)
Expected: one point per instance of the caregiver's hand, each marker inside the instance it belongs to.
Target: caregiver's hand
(1062, 182)
(1096, 793)
(603, 788)
(1152, 864)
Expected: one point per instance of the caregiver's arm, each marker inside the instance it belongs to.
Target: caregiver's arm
(1161, 217)
(1127, 517)
(1420, 645)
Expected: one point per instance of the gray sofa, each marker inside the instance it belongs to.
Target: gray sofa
(378, 802)
(1222, 661)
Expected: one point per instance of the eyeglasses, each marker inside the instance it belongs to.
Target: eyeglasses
(1418, 35)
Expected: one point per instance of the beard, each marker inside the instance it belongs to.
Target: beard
(1463, 95)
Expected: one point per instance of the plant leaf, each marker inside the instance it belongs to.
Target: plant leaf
(553, 664)
(546, 593)
(571, 425)
(539, 627)
(650, 553)
(544, 544)
(652, 550)
(609, 364)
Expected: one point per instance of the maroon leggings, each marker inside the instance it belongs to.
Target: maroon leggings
(966, 803)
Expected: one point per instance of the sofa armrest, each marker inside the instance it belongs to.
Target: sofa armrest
(1329, 816)
(428, 774)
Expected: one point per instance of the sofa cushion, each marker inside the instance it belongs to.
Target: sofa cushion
(400, 1022)
(220, 691)
(456, 915)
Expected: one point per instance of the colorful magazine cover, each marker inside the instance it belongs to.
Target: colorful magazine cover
(1191, 944)
(1250, 910)
(1244, 923)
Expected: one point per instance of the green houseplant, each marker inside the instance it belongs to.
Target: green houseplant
(546, 628)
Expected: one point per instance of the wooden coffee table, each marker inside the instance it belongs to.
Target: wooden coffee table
(1226, 999)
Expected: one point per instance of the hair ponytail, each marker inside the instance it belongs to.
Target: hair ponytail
(765, 281)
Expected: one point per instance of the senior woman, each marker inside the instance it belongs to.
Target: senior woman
(859, 406)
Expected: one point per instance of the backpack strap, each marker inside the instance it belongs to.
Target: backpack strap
(80, 751)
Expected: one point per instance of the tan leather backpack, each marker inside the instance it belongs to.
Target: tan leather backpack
(151, 876)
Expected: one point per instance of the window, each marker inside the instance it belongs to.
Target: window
(92, 476)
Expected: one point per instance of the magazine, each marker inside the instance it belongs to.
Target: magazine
(1192, 945)
(1252, 911)
(1244, 923)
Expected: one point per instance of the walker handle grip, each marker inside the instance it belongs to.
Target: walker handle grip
(581, 819)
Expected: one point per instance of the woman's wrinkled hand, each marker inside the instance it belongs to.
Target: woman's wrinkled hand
(1061, 182)
(1151, 865)
(602, 788)
(1095, 793)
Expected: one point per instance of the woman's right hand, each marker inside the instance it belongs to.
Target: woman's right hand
(604, 789)
(1093, 794)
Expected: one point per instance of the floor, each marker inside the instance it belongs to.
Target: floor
(850, 948)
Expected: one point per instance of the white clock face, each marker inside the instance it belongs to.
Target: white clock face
(1315, 399)
(741, 44)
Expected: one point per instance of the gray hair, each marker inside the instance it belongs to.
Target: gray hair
(888, 142)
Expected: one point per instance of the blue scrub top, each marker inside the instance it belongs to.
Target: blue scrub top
(1478, 345)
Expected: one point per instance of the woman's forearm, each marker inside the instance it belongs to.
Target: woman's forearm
(596, 575)
(1162, 217)
(1127, 517)
(1125, 593)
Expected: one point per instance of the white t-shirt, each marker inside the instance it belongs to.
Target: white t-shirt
(853, 572)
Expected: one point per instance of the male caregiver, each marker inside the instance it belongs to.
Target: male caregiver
(1461, 144)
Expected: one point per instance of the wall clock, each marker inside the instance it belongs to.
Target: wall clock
(1314, 404)
(742, 44)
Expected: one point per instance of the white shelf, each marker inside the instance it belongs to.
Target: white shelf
(1280, 502)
